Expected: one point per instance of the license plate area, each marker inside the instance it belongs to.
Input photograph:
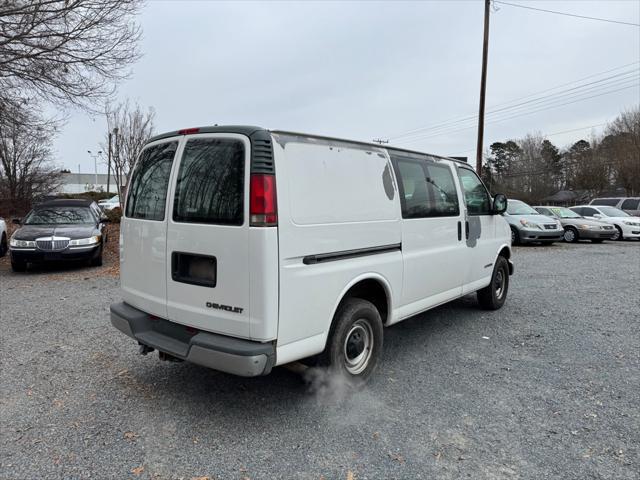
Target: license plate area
(194, 269)
(52, 256)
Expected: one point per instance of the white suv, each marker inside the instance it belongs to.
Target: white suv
(243, 248)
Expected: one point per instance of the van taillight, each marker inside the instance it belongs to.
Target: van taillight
(262, 202)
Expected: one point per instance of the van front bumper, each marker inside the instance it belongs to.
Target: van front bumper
(219, 352)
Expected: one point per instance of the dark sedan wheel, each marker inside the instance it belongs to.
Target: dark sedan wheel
(97, 261)
(3, 245)
(515, 237)
(618, 234)
(18, 266)
(570, 235)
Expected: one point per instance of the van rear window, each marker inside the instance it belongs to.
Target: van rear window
(210, 185)
(150, 179)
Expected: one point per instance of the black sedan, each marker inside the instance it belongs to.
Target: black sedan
(59, 230)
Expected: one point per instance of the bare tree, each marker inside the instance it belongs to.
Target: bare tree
(70, 52)
(25, 163)
(131, 128)
(622, 147)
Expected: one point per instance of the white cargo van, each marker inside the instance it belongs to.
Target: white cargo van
(243, 248)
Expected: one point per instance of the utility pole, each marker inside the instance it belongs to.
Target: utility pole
(109, 164)
(483, 86)
(95, 165)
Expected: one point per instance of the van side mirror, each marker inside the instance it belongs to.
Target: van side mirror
(17, 221)
(499, 204)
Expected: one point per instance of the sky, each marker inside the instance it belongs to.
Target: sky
(363, 70)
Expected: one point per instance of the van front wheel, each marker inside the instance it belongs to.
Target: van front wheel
(354, 346)
(493, 296)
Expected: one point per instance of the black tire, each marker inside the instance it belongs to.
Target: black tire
(354, 347)
(515, 237)
(3, 245)
(570, 235)
(619, 234)
(493, 296)
(18, 266)
(97, 261)
(597, 240)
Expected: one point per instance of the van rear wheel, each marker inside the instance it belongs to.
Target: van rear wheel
(493, 296)
(354, 347)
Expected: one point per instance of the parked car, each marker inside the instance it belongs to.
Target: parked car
(577, 227)
(529, 226)
(221, 268)
(630, 205)
(110, 203)
(3, 237)
(626, 225)
(59, 230)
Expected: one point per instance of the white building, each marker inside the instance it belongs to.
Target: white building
(86, 182)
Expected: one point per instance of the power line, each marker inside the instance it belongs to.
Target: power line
(613, 80)
(549, 134)
(457, 120)
(568, 14)
(521, 114)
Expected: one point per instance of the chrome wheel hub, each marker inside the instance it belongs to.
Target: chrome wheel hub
(500, 283)
(358, 347)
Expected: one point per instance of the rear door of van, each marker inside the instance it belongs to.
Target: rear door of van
(207, 268)
(143, 229)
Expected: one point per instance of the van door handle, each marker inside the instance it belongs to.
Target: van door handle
(466, 229)
(459, 230)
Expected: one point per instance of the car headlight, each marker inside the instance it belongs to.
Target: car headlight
(526, 223)
(82, 242)
(589, 227)
(22, 243)
(633, 224)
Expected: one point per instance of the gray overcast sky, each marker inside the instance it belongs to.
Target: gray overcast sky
(373, 69)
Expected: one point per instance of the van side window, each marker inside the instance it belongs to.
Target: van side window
(414, 189)
(210, 185)
(150, 179)
(442, 189)
(427, 189)
(475, 194)
(630, 204)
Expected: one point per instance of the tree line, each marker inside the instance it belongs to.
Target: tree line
(533, 168)
(56, 56)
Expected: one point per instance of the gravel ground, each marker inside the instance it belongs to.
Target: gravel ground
(547, 387)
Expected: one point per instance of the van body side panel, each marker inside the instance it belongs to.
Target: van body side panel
(331, 199)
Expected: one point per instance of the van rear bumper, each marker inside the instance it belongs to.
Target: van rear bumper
(219, 352)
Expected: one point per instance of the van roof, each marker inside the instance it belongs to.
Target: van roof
(250, 130)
